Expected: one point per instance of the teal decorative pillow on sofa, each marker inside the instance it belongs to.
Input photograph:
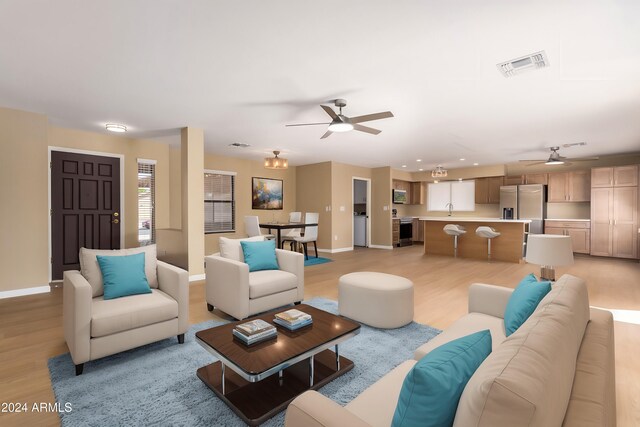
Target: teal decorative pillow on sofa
(432, 388)
(123, 275)
(260, 255)
(523, 302)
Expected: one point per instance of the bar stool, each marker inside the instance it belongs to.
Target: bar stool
(456, 231)
(488, 233)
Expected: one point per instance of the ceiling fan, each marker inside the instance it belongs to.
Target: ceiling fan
(556, 159)
(341, 123)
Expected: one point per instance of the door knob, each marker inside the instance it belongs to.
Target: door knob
(116, 214)
(116, 221)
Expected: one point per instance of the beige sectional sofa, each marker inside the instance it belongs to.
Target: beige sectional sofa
(556, 369)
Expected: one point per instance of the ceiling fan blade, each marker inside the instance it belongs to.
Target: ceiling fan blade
(327, 133)
(366, 129)
(573, 144)
(370, 117)
(536, 160)
(536, 163)
(308, 124)
(583, 159)
(330, 111)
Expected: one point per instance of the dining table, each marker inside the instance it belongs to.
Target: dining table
(279, 226)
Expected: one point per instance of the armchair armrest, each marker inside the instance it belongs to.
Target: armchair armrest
(76, 313)
(174, 281)
(312, 409)
(488, 299)
(293, 262)
(227, 285)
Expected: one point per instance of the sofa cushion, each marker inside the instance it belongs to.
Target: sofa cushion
(91, 270)
(527, 380)
(123, 314)
(260, 255)
(523, 302)
(467, 324)
(431, 391)
(231, 249)
(269, 282)
(123, 276)
(377, 403)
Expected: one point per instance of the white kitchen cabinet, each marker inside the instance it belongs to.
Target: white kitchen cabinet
(461, 194)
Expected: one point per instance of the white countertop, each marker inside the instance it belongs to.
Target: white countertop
(566, 219)
(470, 219)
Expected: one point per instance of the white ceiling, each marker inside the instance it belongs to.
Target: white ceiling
(241, 70)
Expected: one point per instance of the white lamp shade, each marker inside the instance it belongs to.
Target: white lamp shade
(548, 249)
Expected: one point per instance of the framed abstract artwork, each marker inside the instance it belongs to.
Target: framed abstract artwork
(266, 193)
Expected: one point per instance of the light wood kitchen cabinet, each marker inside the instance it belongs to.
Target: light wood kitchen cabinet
(488, 190)
(614, 222)
(572, 186)
(417, 193)
(414, 230)
(395, 231)
(418, 230)
(618, 176)
(579, 231)
(514, 180)
(536, 178)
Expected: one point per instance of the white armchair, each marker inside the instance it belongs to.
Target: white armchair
(95, 327)
(231, 288)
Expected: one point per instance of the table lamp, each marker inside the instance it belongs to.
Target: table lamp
(548, 251)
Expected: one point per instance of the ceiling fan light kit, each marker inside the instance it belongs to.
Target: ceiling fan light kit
(342, 123)
(276, 162)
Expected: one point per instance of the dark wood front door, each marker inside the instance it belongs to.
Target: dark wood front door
(85, 207)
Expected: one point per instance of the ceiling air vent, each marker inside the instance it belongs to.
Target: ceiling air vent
(239, 145)
(524, 63)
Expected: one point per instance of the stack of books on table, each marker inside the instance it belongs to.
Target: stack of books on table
(293, 319)
(254, 332)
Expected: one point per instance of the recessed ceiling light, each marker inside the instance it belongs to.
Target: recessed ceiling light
(114, 127)
(462, 159)
(418, 160)
(420, 169)
(476, 164)
(404, 166)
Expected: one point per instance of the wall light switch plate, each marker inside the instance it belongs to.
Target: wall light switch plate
(385, 208)
(341, 208)
(335, 237)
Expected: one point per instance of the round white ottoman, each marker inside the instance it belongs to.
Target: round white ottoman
(376, 299)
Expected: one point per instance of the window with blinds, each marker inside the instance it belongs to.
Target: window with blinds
(219, 202)
(146, 202)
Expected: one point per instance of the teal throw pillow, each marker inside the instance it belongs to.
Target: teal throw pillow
(123, 275)
(523, 302)
(431, 390)
(260, 255)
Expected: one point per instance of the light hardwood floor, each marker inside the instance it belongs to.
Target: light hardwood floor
(31, 327)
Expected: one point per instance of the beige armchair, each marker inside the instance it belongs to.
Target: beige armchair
(95, 327)
(231, 288)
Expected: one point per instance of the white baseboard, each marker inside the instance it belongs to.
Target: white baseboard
(196, 277)
(380, 247)
(25, 291)
(334, 251)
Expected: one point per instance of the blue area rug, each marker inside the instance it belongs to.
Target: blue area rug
(316, 261)
(157, 384)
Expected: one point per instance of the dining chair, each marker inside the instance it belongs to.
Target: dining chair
(310, 234)
(252, 227)
(293, 232)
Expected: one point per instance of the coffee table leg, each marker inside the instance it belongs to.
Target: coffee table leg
(280, 377)
(311, 371)
(337, 358)
(222, 365)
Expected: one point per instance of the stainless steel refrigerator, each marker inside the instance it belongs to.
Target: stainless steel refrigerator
(527, 202)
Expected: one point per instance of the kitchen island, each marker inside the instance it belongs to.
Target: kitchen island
(507, 247)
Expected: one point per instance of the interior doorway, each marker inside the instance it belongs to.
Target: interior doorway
(361, 197)
(85, 203)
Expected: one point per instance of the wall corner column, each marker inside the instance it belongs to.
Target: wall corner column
(192, 180)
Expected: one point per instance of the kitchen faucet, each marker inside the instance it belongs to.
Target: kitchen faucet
(450, 206)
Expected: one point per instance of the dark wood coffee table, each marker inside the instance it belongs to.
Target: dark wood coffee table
(245, 377)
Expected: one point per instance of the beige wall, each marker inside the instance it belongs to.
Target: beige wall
(192, 179)
(313, 194)
(381, 199)
(246, 169)
(25, 138)
(24, 216)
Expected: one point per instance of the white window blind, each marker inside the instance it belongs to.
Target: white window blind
(219, 202)
(146, 202)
